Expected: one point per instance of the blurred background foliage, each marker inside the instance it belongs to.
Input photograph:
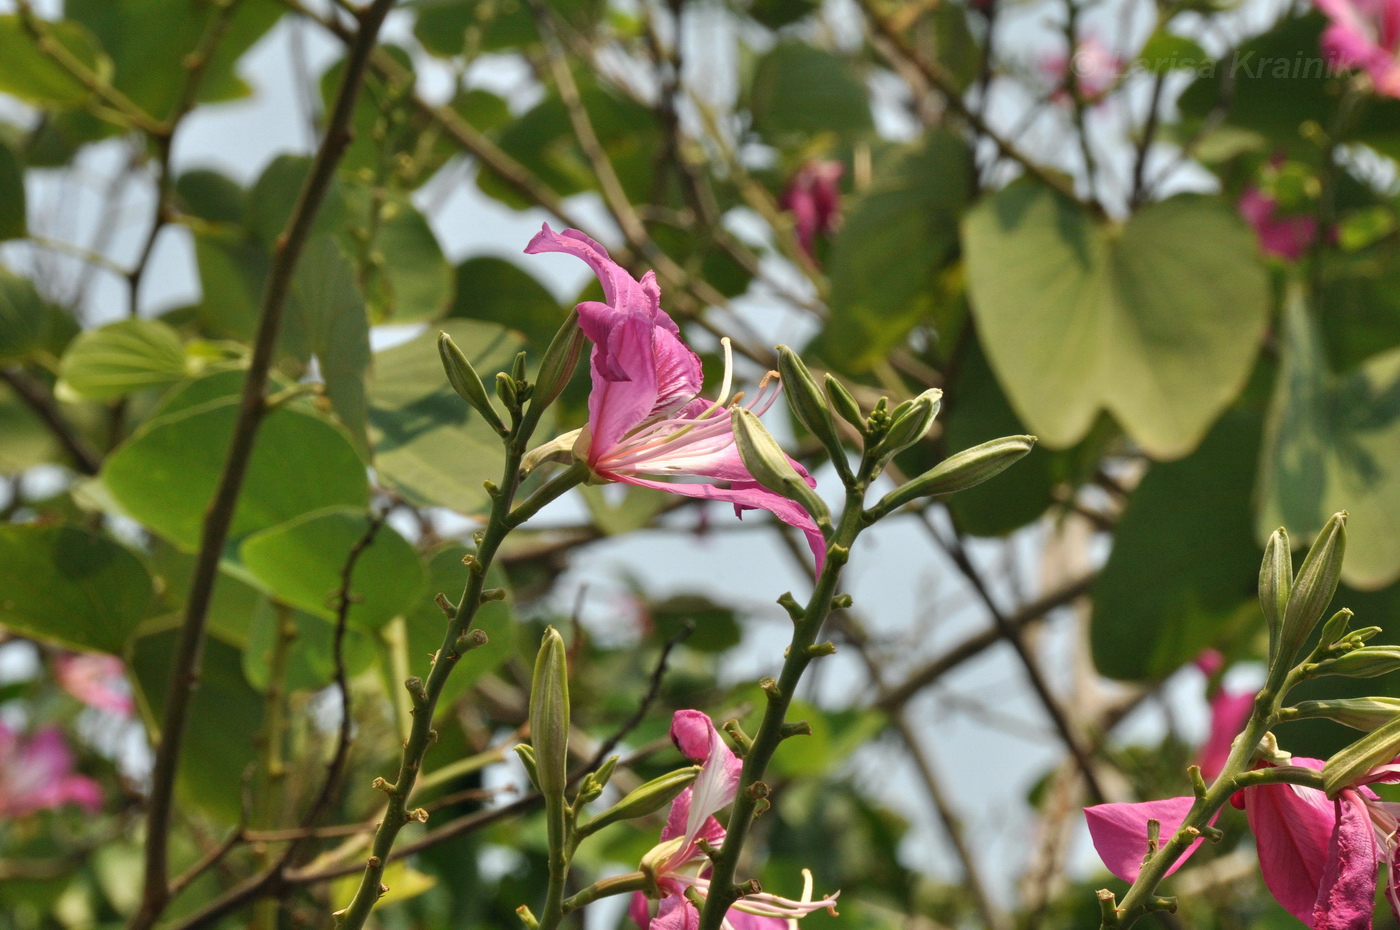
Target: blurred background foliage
(1162, 236)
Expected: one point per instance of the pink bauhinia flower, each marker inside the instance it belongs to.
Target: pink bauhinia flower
(1229, 710)
(646, 419)
(1318, 855)
(1096, 70)
(1287, 236)
(1365, 34)
(678, 863)
(97, 680)
(37, 774)
(814, 198)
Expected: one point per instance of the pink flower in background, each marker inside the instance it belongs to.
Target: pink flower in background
(814, 198)
(1229, 710)
(37, 774)
(645, 414)
(97, 680)
(1365, 34)
(678, 863)
(1288, 237)
(1318, 856)
(1096, 70)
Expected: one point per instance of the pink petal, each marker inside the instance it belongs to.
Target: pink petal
(618, 404)
(1347, 893)
(1293, 829)
(1209, 662)
(696, 737)
(740, 920)
(676, 913)
(1228, 713)
(639, 909)
(1119, 832)
(620, 289)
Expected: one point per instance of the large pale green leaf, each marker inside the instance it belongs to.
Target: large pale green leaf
(225, 717)
(32, 76)
(1184, 566)
(71, 586)
(894, 243)
(331, 316)
(1157, 322)
(165, 474)
(121, 357)
(24, 321)
(799, 89)
(1333, 443)
(301, 563)
(428, 443)
(13, 224)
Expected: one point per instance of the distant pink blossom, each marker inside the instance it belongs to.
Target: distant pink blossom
(1209, 662)
(1229, 710)
(814, 198)
(678, 862)
(646, 419)
(37, 774)
(1318, 856)
(1365, 34)
(97, 680)
(1287, 237)
(1096, 70)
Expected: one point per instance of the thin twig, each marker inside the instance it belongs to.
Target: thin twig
(85, 456)
(186, 669)
(653, 689)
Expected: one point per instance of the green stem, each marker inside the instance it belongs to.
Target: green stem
(723, 891)
(608, 887)
(556, 822)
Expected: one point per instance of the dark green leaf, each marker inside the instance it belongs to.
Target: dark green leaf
(211, 196)
(801, 90)
(13, 224)
(34, 77)
(24, 321)
(499, 291)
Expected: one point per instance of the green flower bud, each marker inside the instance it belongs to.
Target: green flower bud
(559, 362)
(1275, 584)
(1375, 748)
(1313, 587)
(1368, 713)
(806, 401)
(770, 467)
(527, 759)
(466, 382)
(845, 404)
(592, 784)
(1336, 627)
(1367, 662)
(909, 422)
(958, 472)
(505, 390)
(647, 799)
(549, 715)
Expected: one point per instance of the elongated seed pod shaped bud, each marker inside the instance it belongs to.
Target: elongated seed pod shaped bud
(806, 400)
(1335, 628)
(1367, 713)
(647, 799)
(1275, 584)
(1367, 662)
(845, 404)
(558, 364)
(966, 469)
(1373, 749)
(466, 382)
(909, 424)
(1313, 587)
(770, 467)
(549, 715)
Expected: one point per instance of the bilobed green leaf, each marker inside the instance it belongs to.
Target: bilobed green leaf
(1184, 567)
(1333, 443)
(331, 316)
(121, 357)
(13, 224)
(799, 89)
(500, 291)
(429, 444)
(24, 321)
(1157, 322)
(301, 562)
(70, 586)
(225, 717)
(34, 77)
(165, 474)
(894, 243)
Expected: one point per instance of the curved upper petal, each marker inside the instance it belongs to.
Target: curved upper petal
(1346, 896)
(1120, 835)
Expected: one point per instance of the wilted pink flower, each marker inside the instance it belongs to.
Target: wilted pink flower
(645, 414)
(1365, 34)
(37, 774)
(1288, 237)
(97, 680)
(678, 863)
(1318, 856)
(1096, 70)
(814, 197)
